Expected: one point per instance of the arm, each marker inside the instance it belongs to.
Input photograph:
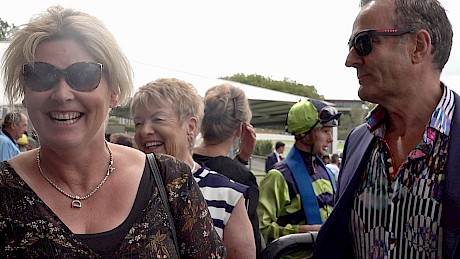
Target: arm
(238, 235)
(308, 228)
(274, 197)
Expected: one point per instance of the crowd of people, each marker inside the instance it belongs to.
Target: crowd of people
(70, 192)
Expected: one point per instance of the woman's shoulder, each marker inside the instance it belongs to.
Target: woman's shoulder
(210, 178)
(225, 165)
(127, 159)
(172, 168)
(7, 175)
(13, 189)
(170, 162)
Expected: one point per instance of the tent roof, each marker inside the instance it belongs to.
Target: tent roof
(269, 107)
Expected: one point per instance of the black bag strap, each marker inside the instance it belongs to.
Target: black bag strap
(161, 188)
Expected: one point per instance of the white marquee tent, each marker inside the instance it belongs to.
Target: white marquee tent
(269, 107)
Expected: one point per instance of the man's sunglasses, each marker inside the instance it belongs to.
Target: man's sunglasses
(362, 42)
(81, 76)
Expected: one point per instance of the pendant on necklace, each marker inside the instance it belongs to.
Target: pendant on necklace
(76, 203)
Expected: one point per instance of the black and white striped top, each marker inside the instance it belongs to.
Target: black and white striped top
(221, 194)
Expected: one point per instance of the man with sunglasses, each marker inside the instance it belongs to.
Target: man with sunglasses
(399, 187)
(14, 125)
(297, 195)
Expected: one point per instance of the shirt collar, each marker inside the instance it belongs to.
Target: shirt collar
(440, 120)
(9, 136)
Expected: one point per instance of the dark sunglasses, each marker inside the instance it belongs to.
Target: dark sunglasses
(362, 42)
(81, 76)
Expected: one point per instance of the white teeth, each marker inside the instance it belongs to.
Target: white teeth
(65, 116)
(152, 144)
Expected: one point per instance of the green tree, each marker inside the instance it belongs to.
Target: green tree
(6, 30)
(350, 120)
(263, 148)
(287, 85)
(121, 111)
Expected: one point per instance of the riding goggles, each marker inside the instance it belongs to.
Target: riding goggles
(329, 116)
(81, 76)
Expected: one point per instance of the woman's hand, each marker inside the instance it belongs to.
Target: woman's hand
(247, 141)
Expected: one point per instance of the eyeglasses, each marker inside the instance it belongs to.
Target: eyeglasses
(81, 76)
(362, 41)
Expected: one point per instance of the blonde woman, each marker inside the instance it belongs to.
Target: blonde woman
(78, 195)
(167, 115)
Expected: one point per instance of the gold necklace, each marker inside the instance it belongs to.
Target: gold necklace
(76, 199)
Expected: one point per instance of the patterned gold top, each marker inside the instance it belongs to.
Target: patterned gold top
(30, 229)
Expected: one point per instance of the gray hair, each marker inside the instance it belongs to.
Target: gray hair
(12, 117)
(429, 15)
(181, 95)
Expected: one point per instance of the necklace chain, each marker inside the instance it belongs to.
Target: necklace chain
(76, 199)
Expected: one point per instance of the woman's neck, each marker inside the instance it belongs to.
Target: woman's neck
(213, 150)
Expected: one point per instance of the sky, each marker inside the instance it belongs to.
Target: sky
(301, 40)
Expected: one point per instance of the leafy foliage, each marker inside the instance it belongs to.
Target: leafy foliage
(121, 111)
(6, 30)
(263, 148)
(349, 121)
(287, 85)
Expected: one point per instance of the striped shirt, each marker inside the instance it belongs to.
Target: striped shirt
(221, 195)
(397, 214)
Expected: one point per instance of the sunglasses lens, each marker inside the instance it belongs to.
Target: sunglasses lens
(40, 76)
(363, 44)
(81, 76)
(84, 76)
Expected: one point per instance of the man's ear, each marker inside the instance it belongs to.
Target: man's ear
(422, 46)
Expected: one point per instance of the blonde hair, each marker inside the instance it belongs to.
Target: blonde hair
(61, 23)
(226, 107)
(182, 96)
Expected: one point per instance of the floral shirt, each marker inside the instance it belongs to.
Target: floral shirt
(29, 229)
(397, 211)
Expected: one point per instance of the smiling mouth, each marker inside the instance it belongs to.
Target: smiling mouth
(153, 144)
(65, 118)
